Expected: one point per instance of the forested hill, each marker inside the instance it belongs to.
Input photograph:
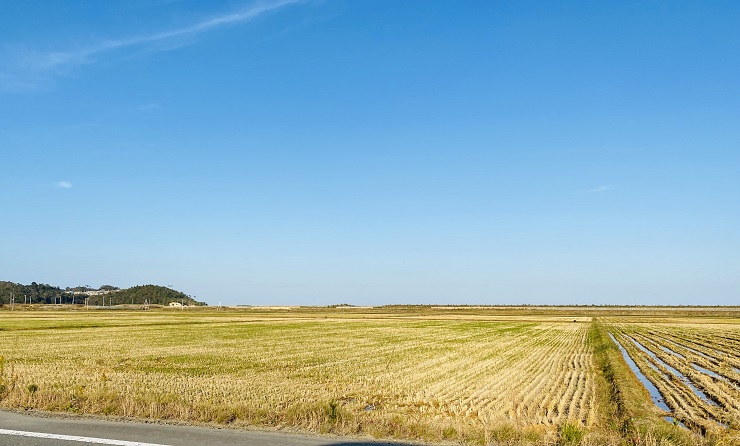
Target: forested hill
(154, 294)
(36, 292)
(39, 293)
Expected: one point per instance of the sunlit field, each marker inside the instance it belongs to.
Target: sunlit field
(475, 375)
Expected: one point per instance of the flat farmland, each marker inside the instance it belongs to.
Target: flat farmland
(475, 376)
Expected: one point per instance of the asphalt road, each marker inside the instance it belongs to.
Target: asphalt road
(27, 430)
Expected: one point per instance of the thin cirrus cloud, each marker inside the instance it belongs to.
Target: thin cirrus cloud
(599, 189)
(149, 107)
(64, 185)
(28, 70)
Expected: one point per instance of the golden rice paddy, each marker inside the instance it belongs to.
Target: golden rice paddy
(476, 376)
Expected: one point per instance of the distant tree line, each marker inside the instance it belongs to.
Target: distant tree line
(39, 293)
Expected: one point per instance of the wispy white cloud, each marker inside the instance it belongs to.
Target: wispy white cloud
(599, 189)
(64, 185)
(26, 69)
(149, 107)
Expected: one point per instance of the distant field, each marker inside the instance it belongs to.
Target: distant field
(478, 375)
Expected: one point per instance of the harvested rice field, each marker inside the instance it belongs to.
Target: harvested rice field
(479, 376)
(693, 365)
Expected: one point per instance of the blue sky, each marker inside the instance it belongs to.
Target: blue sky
(374, 152)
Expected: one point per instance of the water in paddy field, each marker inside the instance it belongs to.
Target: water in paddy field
(654, 367)
(675, 421)
(701, 369)
(675, 372)
(669, 351)
(703, 355)
(654, 392)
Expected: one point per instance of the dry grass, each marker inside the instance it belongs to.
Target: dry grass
(483, 376)
(449, 378)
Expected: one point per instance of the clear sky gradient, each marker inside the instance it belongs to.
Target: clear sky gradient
(374, 152)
